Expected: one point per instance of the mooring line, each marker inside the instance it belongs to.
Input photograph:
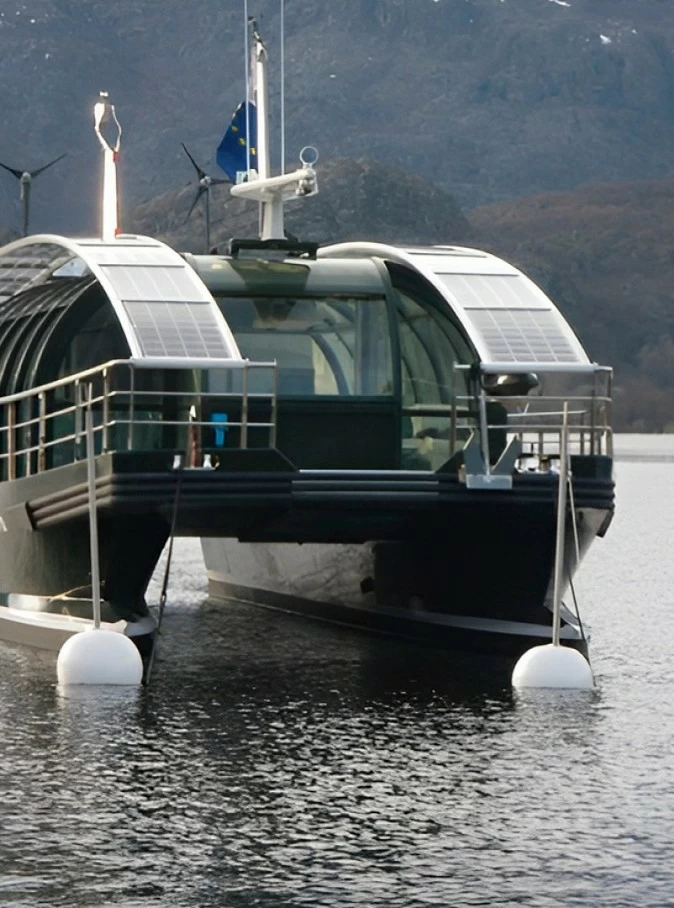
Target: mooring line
(167, 571)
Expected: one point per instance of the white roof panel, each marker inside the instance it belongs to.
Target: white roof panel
(505, 315)
(163, 307)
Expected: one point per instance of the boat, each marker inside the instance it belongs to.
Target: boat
(361, 433)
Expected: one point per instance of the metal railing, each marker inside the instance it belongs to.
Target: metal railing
(179, 406)
(535, 418)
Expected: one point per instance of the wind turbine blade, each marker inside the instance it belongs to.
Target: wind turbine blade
(215, 181)
(200, 191)
(200, 173)
(36, 173)
(17, 173)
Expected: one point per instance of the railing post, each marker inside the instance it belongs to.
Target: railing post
(11, 440)
(106, 410)
(274, 406)
(593, 439)
(78, 418)
(42, 433)
(132, 374)
(484, 429)
(244, 407)
(452, 423)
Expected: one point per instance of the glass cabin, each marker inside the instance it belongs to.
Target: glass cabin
(366, 354)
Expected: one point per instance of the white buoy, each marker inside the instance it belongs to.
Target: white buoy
(552, 665)
(97, 655)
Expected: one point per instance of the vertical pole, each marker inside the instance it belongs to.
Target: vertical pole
(283, 87)
(93, 521)
(244, 407)
(104, 112)
(452, 424)
(78, 418)
(274, 407)
(484, 429)
(561, 524)
(208, 220)
(42, 433)
(106, 411)
(246, 54)
(132, 379)
(11, 441)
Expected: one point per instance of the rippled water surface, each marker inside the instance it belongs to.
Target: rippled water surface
(278, 762)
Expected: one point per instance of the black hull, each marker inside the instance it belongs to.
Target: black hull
(442, 551)
(508, 641)
(458, 587)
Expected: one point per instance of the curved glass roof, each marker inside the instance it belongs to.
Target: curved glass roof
(507, 317)
(163, 307)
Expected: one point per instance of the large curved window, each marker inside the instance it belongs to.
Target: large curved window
(323, 346)
(431, 344)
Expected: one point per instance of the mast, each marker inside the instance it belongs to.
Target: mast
(104, 112)
(272, 192)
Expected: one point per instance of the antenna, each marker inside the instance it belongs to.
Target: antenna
(104, 113)
(205, 181)
(25, 178)
(261, 186)
(283, 86)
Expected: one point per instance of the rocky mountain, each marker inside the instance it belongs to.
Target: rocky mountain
(356, 200)
(605, 254)
(507, 108)
(488, 99)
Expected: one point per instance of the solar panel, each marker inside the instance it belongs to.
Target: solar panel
(175, 329)
(523, 336)
(163, 307)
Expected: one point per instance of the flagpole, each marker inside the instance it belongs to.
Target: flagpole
(247, 65)
(283, 89)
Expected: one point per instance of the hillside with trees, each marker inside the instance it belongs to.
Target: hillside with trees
(550, 124)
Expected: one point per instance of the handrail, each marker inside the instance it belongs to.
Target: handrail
(158, 363)
(533, 419)
(27, 418)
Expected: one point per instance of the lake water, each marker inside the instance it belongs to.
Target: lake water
(278, 762)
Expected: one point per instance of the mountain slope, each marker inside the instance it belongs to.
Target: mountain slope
(489, 99)
(604, 253)
(356, 200)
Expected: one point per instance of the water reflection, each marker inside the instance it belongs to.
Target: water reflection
(275, 762)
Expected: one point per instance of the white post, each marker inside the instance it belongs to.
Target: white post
(104, 112)
(561, 524)
(93, 520)
(272, 208)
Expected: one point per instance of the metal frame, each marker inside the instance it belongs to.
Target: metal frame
(11, 453)
(105, 260)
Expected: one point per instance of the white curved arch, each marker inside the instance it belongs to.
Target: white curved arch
(163, 306)
(507, 317)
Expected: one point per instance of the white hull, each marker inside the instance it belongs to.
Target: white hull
(45, 630)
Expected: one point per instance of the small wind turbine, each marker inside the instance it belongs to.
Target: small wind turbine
(204, 189)
(25, 178)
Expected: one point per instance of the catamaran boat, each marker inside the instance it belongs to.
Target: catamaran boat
(364, 433)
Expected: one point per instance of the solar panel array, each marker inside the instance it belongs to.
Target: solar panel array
(507, 316)
(162, 305)
(22, 265)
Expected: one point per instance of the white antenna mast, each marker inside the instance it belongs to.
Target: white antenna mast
(283, 87)
(246, 39)
(104, 112)
(261, 186)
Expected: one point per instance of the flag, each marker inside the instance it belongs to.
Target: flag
(236, 146)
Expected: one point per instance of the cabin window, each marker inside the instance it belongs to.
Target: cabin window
(99, 340)
(430, 346)
(338, 346)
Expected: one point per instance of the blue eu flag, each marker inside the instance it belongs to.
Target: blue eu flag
(236, 145)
